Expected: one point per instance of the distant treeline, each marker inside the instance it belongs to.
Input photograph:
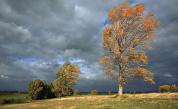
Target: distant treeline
(161, 88)
(24, 92)
(86, 92)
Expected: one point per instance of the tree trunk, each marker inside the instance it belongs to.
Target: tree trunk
(120, 82)
(120, 92)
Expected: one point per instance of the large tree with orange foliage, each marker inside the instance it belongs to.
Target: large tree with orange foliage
(125, 39)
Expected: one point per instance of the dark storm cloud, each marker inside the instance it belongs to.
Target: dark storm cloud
(164, 59)
(39, 35)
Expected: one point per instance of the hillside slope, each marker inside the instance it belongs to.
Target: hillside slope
(128, 101)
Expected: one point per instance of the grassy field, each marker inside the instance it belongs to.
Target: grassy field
(128, 101)
(9, 98)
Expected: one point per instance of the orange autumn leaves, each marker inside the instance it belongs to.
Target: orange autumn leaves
(150, 22)
(138, 57)
(125, 39)
(124, 10)
(143, 73)
(131, 11)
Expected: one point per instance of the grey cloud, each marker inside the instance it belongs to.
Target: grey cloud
(53, 29)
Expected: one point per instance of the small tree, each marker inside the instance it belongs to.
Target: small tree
(125, 39)
(36, 89)
(60, 90)
(110, 92)
(76, 92)
(167, 88)
(164, 88)
(93, 92)
(67, 76)
(56, 88)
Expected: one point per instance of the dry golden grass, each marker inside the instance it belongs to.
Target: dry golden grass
(128, 101)
(153, 95)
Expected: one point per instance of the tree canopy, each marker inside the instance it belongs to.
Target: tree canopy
(36, 89)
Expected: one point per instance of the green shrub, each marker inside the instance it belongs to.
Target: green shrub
(93, 92)
(36, 89)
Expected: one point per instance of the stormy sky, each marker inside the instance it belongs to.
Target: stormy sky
(37, 36)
